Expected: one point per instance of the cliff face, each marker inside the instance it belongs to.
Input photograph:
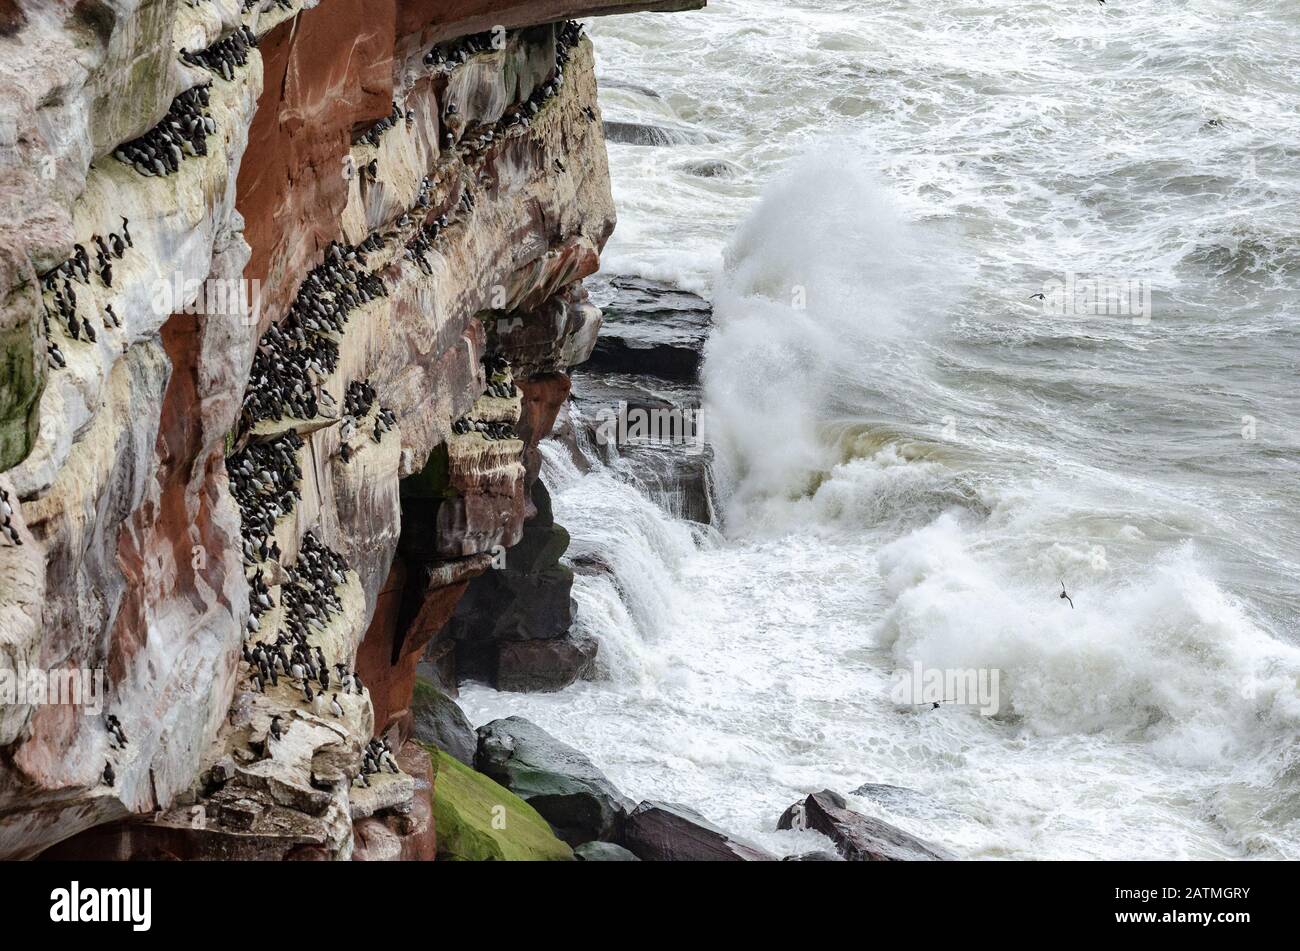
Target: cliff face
(258, 390)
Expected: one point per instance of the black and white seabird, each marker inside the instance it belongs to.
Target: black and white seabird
(109, 776)
(335, 707)
(115, 730)
(1066, 596)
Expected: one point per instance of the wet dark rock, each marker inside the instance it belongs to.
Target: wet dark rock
(511, 627)
(545, 665)
(590, 563)
(529, 604)
(679, 478)
(606, 83)
(644, 133)
(904, 803)
(858, 838)
(437, 720)
(885, 794)
(668, 832)
(713, 168)
(646, 365)
(603, 852)
(562, 784)
(649, 328)
(813, 857)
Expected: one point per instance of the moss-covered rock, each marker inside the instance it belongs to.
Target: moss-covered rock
(479, 821)
(555, 779)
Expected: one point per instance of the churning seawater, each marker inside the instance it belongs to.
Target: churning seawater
(912, 453)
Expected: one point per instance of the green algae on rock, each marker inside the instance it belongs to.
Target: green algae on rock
(478, 820)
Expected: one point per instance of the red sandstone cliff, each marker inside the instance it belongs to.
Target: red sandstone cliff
(132, 558)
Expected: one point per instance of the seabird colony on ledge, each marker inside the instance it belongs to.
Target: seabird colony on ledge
(292, 361)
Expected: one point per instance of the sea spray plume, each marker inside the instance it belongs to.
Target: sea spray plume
(825, 288)
(1171, 662)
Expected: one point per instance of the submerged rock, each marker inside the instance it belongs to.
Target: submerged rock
(713, 168)
(891, 797)
(630, 87)
(603, 852)
(562, 784)
(643, 133)
(858, 838)
(813, 857)
(668, 832)
(478, 820)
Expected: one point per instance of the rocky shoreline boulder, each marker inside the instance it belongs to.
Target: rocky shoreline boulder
(858, 838)
(437, 720)
(562, 784)
(669, 832)
(650, 329)
(477, 820)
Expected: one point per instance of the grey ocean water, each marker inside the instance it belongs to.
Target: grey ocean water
(912, 452)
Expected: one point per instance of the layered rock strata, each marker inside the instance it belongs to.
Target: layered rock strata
(257, 255)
